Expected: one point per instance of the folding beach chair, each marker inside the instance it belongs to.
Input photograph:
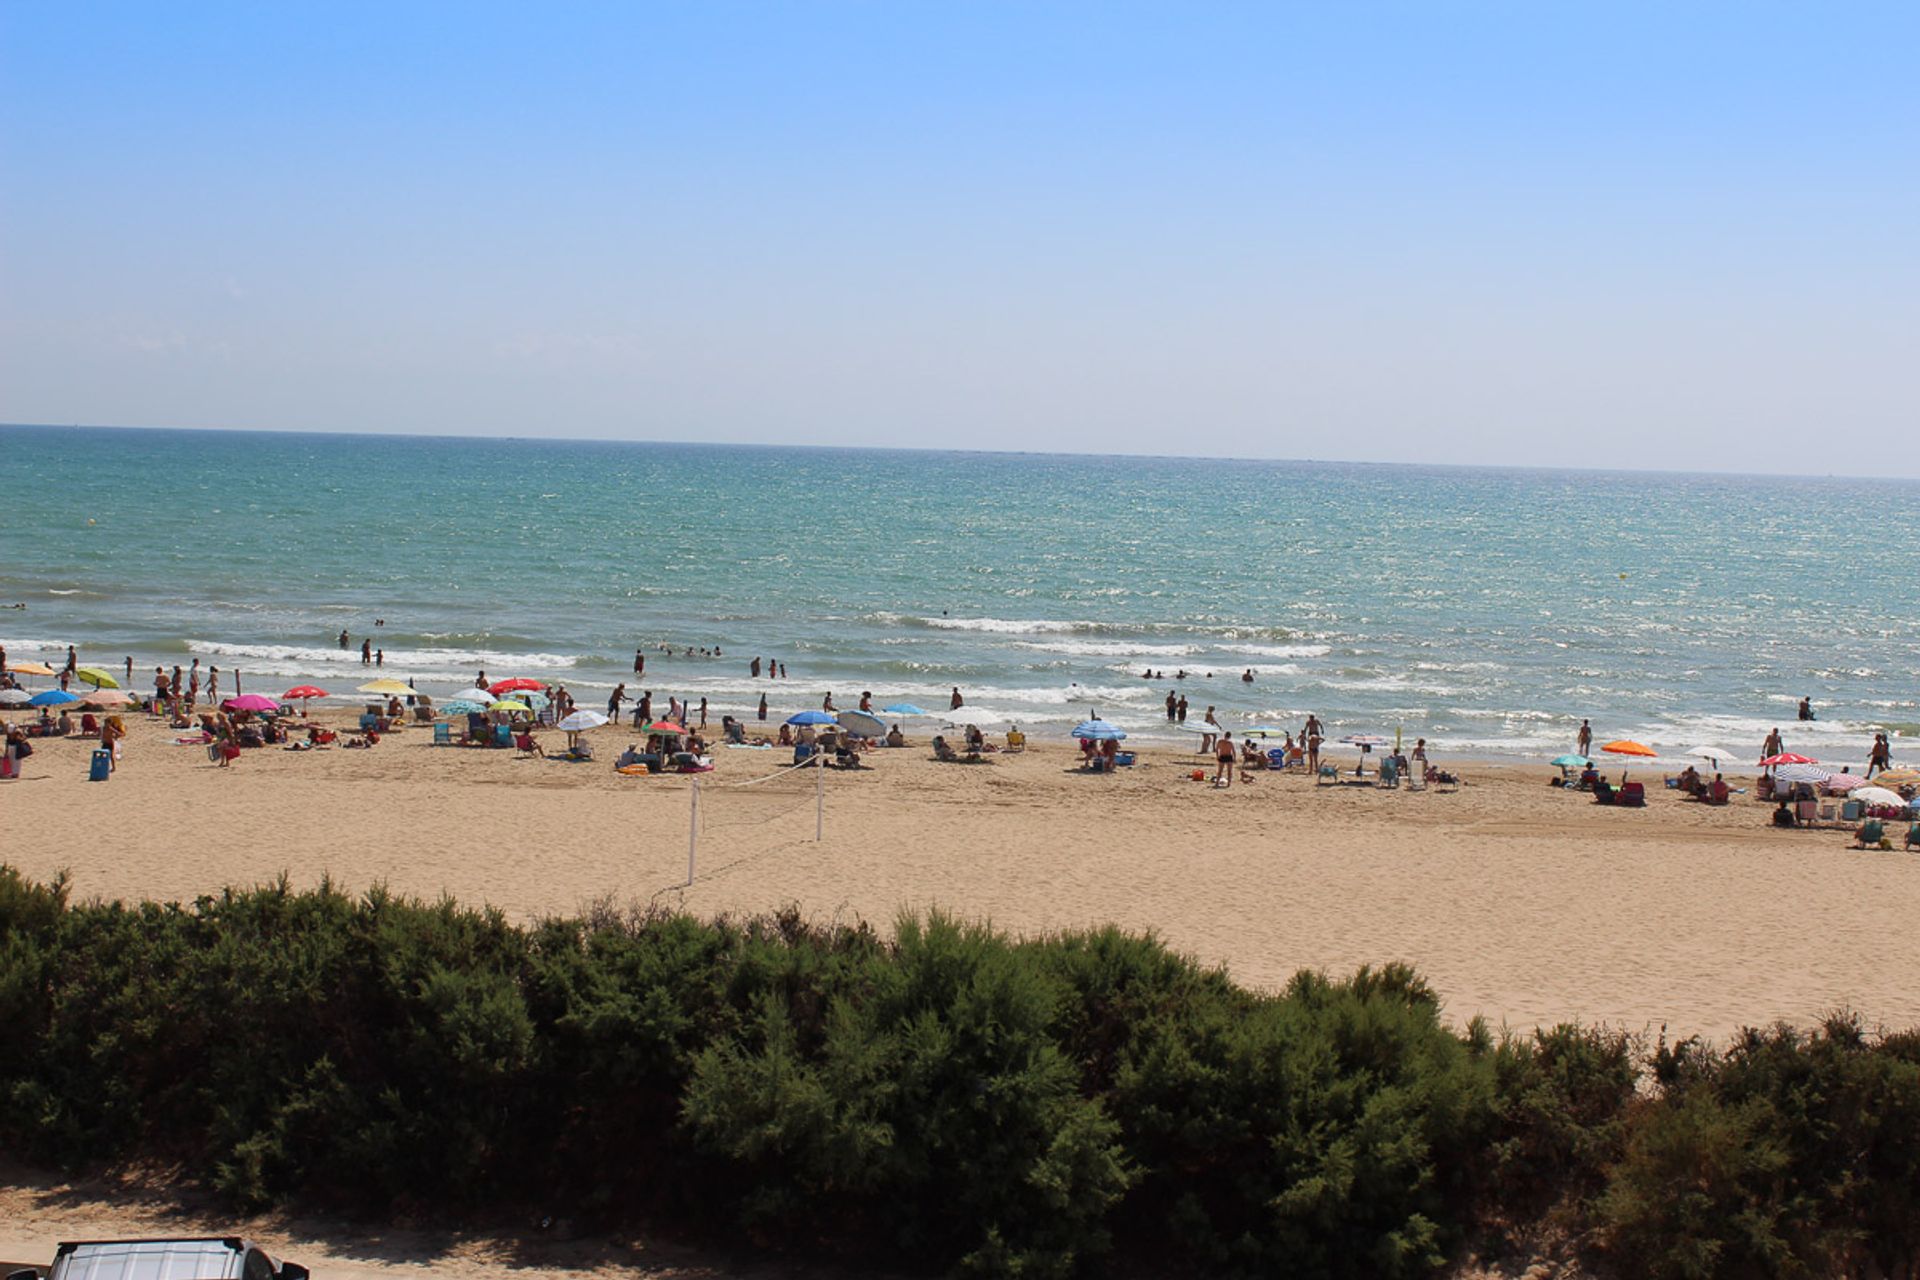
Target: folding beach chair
(442, 734)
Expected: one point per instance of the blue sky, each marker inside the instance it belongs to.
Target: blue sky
(1668, 236)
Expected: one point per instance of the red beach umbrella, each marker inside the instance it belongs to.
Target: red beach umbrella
(513, 685)
(304, 691)
(1786, 757)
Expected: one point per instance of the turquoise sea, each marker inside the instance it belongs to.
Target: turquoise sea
(1486, 610)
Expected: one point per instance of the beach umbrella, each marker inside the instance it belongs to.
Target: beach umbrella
(1899, 777)
(14, 697)
(388, 688)
(97, 678)
(30, 668)
(52, 698)
(1573, 762)
(1878, 796)
(1364, 740)
(507, 704)
(904, 709)
(1843, 781)
(514, 685)
(1714, 755)
(304, 691)
(862, 725)
(582, 720)
(462, 707)
(251, 702)
(107, 698)
(1786, 757)
(1266, 731)
(1802, 773)
(1099, 730)
(536, 700)
(810, 717)
(667, 727)
(1627, 747)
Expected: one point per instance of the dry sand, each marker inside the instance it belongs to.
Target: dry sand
(1517, 901)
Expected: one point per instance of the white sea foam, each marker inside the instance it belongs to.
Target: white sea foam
(1108, 649)
(409, 658)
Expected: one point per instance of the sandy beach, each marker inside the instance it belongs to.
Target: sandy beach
(1519, 902)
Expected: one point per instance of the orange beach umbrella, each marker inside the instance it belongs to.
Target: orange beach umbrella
(1624, 747)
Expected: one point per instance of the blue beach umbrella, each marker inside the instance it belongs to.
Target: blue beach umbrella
(810, 717)
(1099, 731)
(1573, 762)
(904, 709)
(52, 698)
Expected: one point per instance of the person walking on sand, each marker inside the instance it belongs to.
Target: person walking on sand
(1881, 757)
(1223, 756)
(958, 701)
(1313, 753)
(193, 684)
(159, 691)
(1583, 741)
(614, 699)
(213, 685)
(763, 707)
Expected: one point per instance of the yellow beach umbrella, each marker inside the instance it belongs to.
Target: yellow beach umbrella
(30, 668)
(97, 678)
(386, 688)
(507, 704)
(1899, 777)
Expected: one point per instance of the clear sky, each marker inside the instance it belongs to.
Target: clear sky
(1665, 235)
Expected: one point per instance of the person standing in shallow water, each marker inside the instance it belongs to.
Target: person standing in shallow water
(763, 706)
(958, 701)
(1583, 742)
(1173, 705)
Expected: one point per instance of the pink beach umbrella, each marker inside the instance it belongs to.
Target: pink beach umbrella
(250, 702)
(1843, 781)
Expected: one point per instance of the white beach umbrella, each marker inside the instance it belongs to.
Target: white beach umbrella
(14, 697)
(1801, 773)
(1714, 755)
(582, 720)
(1876, 796)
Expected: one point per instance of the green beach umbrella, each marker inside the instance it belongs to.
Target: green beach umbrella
(97, 678)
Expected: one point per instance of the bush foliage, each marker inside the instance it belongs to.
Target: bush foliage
(945, 1098)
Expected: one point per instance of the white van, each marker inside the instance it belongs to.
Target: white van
(230, 1258)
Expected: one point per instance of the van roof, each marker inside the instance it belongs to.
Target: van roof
(204, 1259)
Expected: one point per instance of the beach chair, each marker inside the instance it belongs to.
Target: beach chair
(1826, 814)
(1913, 836)
(1872, 834)
(1016, 740)
(1603, 792)
(1806, 812)
(1416, 780)
(442, 734)
(1632, 796)
(1851, 810)
(1328, 774)
(802, 752)
(1389, 773)
(368, 720)
(503, 735)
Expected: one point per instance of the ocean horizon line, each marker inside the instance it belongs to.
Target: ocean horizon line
(1527, 469)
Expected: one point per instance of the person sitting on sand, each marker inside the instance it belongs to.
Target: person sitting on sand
(529, 745)
(895, 738)
(786, 735)
(1251, 756)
